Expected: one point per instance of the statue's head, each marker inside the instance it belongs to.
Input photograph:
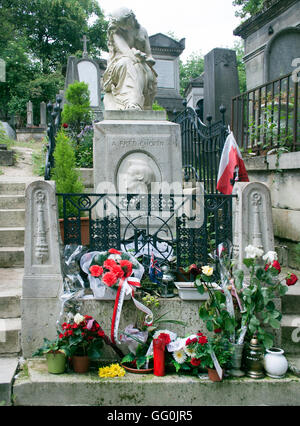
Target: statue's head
(123, 17)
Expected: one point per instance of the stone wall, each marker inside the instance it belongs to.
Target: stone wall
(282, 176)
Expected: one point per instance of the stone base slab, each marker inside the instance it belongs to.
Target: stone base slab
(35, 387)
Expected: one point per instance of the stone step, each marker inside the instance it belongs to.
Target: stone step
(12, 188)
(13, 236)
(8, 367)
(290, 334)
(10, 330)
(290, 303)
(34, 386)
(12, 202)
(10, 292)
(12, 217)
(11, 257)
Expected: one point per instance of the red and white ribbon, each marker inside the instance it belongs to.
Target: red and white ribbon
(126, 287)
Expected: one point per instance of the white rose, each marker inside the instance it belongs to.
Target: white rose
(207, 270)
(270, 256)
(252, 252)
(78, 318)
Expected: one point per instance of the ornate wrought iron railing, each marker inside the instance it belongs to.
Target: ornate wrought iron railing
(185, 227)
(202, 146)
(268, 116)
(54, 112)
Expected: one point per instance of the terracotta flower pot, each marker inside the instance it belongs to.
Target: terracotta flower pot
(213, 375)
(80, 363)
(84, 230)
(56, 362)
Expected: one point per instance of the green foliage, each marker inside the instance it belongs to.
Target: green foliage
(77, 111)
(192, 68)
(64, 171)
(157, 107)
(48, 346)
(239, 50)
(84, 148)
(248, 8)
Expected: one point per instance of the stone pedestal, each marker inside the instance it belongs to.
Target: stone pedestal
(125, 138)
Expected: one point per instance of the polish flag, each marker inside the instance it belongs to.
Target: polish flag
(231, 168)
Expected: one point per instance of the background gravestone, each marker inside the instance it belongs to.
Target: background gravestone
(166, 52)
(221, 82)
(87, 70)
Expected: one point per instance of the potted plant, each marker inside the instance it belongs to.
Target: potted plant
(199, 352)
(55, 355)
(82, 340)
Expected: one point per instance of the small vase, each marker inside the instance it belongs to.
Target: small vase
(213, 375)
(236, 360)
(80, 363)
(275, 363)
(56, 362)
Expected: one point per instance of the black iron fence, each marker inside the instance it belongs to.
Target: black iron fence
(202, 147)
(54, 114)
(180, 227)
(268, 116)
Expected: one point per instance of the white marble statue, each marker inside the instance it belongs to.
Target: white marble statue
(139, 177)
(129, 82)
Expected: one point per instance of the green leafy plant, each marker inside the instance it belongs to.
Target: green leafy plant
(77, 111)
(65, 173)
(49, 346)
(84, 148)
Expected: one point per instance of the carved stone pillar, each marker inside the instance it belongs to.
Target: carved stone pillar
(43, 279)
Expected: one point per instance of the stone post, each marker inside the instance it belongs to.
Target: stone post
(252, 219)
(43, 279)
(29, 114)
(43, 115)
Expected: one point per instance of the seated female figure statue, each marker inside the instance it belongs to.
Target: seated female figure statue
(129, 81)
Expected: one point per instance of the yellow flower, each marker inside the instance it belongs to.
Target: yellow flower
(207, 270)
(114, 370)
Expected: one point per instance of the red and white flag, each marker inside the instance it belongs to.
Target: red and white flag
(231, 168)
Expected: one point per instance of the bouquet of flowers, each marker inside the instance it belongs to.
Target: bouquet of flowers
(82, 336)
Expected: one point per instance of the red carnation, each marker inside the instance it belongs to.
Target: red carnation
(165, 338)
(275, 265)
(109, 263)
(195, 362)
(114, 251)
(127, 267)
(202, 340)
(96, 270)
(118, 271)
(291, 279)
(109, 279)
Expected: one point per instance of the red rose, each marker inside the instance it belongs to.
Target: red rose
(114, 251)
(202, 340)
(61, 336)
(291, 279)
(109, 279)
(109, 263)
(100, 333)
(191, 341)
(65, 125)
(195, 362)
(127, 267)
(217, 330)
(96, 270)
(275, 265)
(194, 270)
(165, 338)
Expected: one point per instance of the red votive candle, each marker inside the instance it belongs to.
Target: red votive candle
(159, 357)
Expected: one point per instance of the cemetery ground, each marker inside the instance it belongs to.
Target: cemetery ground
(28, 383)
